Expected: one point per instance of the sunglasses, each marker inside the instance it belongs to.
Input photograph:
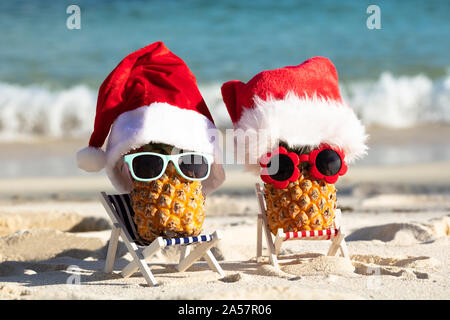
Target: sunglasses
(149, 166)
(281, 167)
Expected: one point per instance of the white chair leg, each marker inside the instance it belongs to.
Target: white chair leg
(198, 252)
(140, 261)
(213, 264)
(335, 243)
(259, 237)
(184, 251)
(338, 219)
(332, 250)
(344, 250)
(149, 251)
(342, 244)
(112, 249)
(279, 241)
(272, 255)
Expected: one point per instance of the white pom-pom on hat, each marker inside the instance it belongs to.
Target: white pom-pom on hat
(91, 159)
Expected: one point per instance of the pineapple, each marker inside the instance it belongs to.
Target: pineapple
(170, 206)
(306, 204)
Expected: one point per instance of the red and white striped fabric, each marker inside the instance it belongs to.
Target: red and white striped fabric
(326, 234)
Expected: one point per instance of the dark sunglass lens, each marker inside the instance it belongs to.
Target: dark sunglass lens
(193, 166)
(280, 167)
(328, 162)
(147, 166)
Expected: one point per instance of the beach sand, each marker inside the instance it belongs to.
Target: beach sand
(54, 233)
(53, 247)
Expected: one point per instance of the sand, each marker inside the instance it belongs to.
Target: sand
(53, 244)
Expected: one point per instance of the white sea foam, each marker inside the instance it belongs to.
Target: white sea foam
(400, 102)
(396, 102)
(35, 111)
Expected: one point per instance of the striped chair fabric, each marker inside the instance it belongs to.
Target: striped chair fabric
(326, 234)
(188, 240)
(122, 205)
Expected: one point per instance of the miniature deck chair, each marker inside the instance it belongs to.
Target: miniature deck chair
(119, 209)
(336, 234)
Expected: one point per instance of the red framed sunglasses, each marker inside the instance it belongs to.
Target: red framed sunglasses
(280, 167)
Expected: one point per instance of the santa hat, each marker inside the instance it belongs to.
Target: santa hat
(300, 105)
(151, 96)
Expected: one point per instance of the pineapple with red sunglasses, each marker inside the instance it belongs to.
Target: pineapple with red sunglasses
(305, 137)
(299, 186)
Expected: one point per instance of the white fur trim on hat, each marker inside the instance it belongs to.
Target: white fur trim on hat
(299, 122)
(161, 123)
(91, 159)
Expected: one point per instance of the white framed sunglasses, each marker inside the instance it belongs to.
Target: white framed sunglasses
(149, 166)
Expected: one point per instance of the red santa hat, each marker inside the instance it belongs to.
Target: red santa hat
(300, 105)
(151, 96)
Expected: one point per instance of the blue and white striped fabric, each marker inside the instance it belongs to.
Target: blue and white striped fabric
(122, 206)
(188, 240)
(124, 210)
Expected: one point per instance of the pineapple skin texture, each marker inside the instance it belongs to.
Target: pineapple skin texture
(170, 206)
(306, 204)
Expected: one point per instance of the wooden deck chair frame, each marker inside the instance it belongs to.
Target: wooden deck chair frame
(336, 234)
(141, 253)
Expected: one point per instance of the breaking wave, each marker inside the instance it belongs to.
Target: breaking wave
(400, 102)
(36, 111)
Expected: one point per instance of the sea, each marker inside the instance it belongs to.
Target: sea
(392, 57)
